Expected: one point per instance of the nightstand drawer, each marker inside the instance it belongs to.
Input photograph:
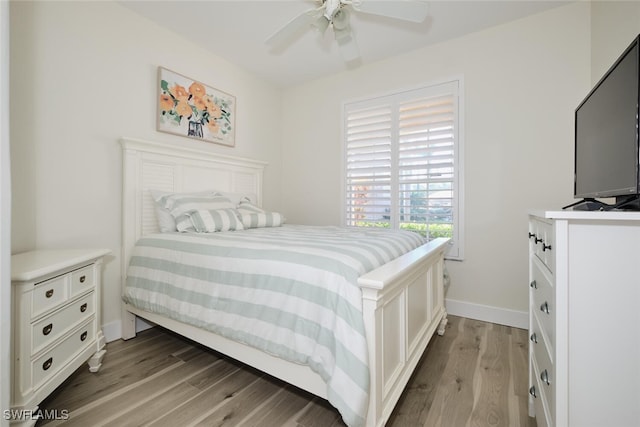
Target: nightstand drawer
(52, 327)
(82, 280)
(47, 365)
(48, 295)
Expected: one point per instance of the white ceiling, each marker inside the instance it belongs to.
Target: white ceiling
(236, 30)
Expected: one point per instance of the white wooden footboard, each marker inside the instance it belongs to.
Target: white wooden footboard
(403, 305)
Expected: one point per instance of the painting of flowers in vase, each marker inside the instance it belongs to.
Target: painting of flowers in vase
(189, 108)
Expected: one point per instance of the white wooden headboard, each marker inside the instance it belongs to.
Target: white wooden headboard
(170, 167)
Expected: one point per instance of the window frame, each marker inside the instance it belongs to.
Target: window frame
(456, 249)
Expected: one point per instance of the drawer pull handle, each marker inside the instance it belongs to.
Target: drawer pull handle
(47, 363)
(544, 376)
(545, 308)
(534, 338)
(83, 278)
(532, 234)
(83, 336)
(49, 293)
(47, 329)
(83, 308)
(538, 240)
(532, 392)
(545, 247)
(533, 285)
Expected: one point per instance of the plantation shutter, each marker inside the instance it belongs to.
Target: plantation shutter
(402, 168)
(369, 164)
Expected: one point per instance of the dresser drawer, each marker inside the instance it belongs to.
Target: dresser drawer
(47, 365)
(542, 356)
(542, 241)
(543, 300)
(49, 295)
(543, 417)
(50, 328)
(82, 280)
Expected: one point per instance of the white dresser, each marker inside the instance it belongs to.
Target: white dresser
(584, 318)
(55, 322)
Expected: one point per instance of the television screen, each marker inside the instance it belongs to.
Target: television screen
(606, 134)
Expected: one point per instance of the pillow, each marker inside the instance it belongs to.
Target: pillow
(246, 207)
(166, 221)
(261, 219)
(210, 221)
(179, 204)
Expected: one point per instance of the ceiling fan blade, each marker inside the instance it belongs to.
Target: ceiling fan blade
(293, 28)
(406, 10)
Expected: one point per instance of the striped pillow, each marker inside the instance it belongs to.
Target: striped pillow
(261, 219)
(254, 217)
(211, 221)
(179, 204)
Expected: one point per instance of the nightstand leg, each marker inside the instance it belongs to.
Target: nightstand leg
(95, 362)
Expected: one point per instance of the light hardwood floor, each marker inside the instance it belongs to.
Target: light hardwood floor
(474, 375)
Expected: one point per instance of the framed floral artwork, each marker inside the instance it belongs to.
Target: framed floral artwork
(189, 108)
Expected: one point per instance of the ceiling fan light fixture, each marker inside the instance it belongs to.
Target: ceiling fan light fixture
(340, 20)
(321, 24)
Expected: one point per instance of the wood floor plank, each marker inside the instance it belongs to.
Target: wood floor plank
(454, 398)
(491, 406)
(280, 409)
(234, 409)
(476, 374)
(205, 400)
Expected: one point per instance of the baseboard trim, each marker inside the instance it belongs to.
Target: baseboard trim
(113, 331)
(487, 313)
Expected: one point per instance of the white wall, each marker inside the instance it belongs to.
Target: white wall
(522, 82)
(84, 74)
(607, 45)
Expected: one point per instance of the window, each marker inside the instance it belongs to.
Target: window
(402, 162)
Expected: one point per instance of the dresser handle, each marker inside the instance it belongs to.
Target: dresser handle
(544, 376)
(545, 307)
(49, 293)
(83, 336)
(532, 392)
(83, 308)
(47, 329)
(533, 285)
(532, 234)
(534, 338)
(83, 278)
(47, 363)
(538, 240)
(545, 247)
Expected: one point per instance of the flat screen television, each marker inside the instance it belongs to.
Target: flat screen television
(606, 138)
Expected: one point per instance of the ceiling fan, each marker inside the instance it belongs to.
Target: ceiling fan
(336, 13)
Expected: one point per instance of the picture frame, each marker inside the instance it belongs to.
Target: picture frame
(189, 108)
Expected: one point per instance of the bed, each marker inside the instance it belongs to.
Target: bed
(400, 299)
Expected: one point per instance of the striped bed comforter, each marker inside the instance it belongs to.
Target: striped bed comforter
(290, 291)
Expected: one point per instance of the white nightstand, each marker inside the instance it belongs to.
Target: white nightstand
(55, 322)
